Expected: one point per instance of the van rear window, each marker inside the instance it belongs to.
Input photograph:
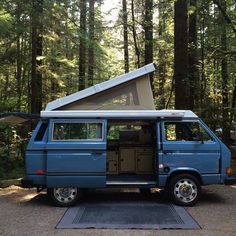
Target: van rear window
(75, 131)
(41, 132)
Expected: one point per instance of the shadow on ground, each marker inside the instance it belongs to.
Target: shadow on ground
(117, 195)
(107, 195)
(211, 197)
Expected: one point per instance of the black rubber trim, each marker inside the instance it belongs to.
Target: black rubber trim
(230, 181)
(25, 183)
(75, 174)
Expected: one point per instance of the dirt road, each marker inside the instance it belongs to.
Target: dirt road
(24, 212)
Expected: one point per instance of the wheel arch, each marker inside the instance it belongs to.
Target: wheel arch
(189, 171)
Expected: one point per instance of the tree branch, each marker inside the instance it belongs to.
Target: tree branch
(227, 19)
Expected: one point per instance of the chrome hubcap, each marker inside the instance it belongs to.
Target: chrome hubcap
(185, 190)
(65, 195)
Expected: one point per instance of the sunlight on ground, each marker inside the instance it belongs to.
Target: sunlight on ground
(18, 194)
(9, 190)
(27, 197)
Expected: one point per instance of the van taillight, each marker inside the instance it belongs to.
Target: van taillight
(228, 171)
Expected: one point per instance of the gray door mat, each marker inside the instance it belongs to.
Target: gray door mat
(125, 215)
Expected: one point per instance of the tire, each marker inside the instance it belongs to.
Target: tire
(184, 190)
(64, 197)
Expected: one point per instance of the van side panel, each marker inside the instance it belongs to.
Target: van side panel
(201, 158)
(75, 167)
(76, 163)
(35, 158)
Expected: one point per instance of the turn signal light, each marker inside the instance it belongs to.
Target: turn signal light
(40, 172)
(228, 171)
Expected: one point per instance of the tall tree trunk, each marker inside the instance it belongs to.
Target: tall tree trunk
(82, 44)
(148, 33)
(233, 113)
(18, 72)
(125, 35)
(137, 51)
(91, 43)
(37, 50)
(6, 86)
(181, 55)
(225, 77)
(54, 84)
(161, 54)
(192, 58)
(18, 58)
(203, 77)
(24, 54)
(29, 88)
(234, 96)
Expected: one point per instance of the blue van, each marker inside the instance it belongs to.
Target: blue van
(73, 149)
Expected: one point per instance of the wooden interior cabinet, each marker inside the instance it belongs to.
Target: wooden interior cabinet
(127, 160)
(144, 160)
(135, 160)
(112, 162)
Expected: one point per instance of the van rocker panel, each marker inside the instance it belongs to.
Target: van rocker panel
(76, 181)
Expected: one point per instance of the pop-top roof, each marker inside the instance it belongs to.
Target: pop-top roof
(131, 91)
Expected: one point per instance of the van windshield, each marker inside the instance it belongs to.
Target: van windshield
(186, 131)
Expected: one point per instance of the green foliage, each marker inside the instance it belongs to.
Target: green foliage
(14, 172)
(5, 22)
(13, 141)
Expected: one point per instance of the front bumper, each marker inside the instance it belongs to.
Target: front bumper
(230, 181)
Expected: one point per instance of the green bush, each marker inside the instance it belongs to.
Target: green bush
(13, 141)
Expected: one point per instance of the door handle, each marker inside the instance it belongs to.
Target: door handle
(167, 152)
(97, 153)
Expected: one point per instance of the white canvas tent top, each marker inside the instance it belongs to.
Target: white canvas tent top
(128, 95)
(131, 91)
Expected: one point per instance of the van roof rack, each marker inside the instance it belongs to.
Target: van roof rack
(119, 114)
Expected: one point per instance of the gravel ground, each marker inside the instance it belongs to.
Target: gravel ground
(24, 212)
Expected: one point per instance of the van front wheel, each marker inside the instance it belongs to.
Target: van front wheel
(64, 196)
(184, 189)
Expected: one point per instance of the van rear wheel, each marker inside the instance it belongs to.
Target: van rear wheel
(64, 197)
(184, 189)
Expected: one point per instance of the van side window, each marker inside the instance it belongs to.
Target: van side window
(124, 132)
(127, 132)
(186, 131)
(77, 131)
(41, 132)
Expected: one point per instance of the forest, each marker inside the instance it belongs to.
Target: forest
(53, 48)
